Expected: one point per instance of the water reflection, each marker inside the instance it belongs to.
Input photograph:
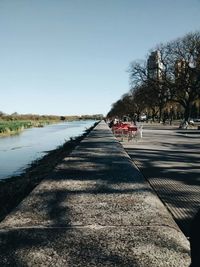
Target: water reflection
(17, 151)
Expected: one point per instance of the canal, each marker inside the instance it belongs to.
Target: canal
(18, 151)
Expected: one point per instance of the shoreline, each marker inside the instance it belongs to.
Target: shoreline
(14, 189)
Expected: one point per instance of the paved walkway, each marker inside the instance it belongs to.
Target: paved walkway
(170, 160)
(95, 209)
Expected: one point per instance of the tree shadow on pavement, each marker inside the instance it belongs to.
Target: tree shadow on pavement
(173, 170)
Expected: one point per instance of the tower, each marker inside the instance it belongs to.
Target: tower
(155, 66)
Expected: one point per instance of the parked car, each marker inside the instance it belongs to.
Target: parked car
(143, 117)
(194, 121)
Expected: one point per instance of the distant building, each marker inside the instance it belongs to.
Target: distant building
(180, 68)
(155, 66)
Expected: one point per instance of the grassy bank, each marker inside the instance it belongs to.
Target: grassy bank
(9, 127)
(14, 127)
(15, 123)
(13, 190)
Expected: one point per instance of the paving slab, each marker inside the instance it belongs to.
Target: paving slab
(94, 209)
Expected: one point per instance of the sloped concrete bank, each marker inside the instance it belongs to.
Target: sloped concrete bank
(14, 189)
(94, 209)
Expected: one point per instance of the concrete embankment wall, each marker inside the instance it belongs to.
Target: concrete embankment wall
(94, 209)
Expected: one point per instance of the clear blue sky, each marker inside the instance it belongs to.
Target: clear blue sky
(69, 57)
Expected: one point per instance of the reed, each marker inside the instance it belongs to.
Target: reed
(14, 126)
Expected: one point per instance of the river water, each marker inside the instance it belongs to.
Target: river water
(18, 151)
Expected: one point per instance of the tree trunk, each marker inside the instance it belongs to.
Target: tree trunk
(160, 113)
(187, 112)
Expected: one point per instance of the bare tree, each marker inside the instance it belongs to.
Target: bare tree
(178, 81)
(156, 85)
(182, 70)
